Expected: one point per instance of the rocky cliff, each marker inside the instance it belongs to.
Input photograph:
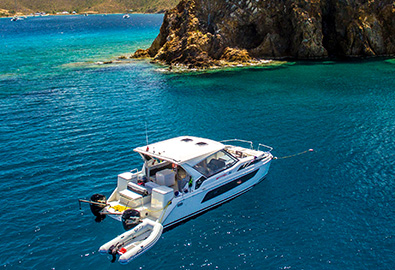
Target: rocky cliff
(206, 32)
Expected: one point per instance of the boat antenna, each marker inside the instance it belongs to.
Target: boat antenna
(146, 132)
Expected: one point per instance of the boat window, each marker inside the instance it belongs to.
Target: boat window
(146, 157)
(182, 178)
(215, 163)
(199, 182)
(201, 143)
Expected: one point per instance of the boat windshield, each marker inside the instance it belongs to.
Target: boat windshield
(215, 163)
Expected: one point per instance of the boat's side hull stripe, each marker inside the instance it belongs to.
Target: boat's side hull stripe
(228, 186)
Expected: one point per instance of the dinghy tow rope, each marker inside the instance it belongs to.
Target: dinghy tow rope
(294, 155)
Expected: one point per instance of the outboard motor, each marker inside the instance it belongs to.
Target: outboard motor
(101, 203)
(113, 251)
(130, 219)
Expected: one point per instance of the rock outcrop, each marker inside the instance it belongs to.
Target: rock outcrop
(199, 33)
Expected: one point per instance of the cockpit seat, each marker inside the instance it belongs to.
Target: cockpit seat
(216, 164)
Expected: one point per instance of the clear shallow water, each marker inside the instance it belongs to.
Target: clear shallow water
(67, 129)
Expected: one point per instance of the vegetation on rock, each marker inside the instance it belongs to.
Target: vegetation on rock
(10, 7)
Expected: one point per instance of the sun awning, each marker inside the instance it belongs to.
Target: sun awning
(184, 149)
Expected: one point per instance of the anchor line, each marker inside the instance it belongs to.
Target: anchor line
(294, 155)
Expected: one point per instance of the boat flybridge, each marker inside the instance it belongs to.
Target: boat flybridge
(180, 179)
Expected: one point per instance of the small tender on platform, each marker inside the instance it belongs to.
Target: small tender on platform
(180, 179)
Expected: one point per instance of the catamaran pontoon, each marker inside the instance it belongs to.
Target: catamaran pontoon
(181, 178)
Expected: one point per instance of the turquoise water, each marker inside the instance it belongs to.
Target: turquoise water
(68, 127)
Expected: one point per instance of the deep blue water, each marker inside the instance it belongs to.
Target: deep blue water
(67, 128)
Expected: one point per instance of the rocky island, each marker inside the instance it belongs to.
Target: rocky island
(207, 33)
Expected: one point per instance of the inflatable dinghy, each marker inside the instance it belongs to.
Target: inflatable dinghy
(134, 242)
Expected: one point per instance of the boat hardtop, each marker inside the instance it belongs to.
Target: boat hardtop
(185, 149)
(180, 178)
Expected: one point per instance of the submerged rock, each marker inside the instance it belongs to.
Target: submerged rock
(203, 33)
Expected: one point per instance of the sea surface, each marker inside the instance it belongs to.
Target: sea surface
(68, 126)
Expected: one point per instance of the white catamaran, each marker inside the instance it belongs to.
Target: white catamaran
(180, 179)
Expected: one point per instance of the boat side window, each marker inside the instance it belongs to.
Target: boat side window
(182, 177)
(215, 163)
(199, 182)
(146, 157)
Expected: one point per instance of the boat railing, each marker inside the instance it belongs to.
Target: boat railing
(262, 145)
(238, 140)
(134, 176)
(251, 144)
(134, 171)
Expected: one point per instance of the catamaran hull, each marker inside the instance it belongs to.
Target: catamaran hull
(202, 211)
(197, 203)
